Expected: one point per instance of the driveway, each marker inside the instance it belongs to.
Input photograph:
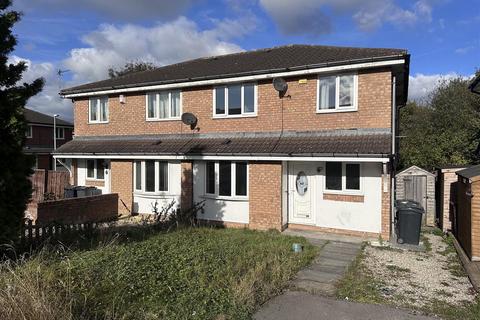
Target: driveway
(303, 305)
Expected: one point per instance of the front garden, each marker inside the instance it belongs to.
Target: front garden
(431, 282)
(190, 273)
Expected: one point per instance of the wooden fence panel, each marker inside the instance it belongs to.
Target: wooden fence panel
(38, 185)
(56, 183)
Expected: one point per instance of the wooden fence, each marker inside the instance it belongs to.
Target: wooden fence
(49, 183)
(36, 234)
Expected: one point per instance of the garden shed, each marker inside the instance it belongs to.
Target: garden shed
(466, 223)
(446, 194)
(418, 184)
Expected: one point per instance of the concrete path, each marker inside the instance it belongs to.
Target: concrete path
(308, 295)
(302, 305)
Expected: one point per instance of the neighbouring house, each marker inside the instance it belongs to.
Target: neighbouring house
(475, 85)
(446, 193)
(466, 222)
(317, 155)
(418, 184)
(39, 137)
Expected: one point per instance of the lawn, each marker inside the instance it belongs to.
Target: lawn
(431, 282)
(199, 273)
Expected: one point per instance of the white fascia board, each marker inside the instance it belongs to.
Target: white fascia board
(231, 158)
(241, 79)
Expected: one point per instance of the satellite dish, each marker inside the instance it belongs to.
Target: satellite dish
(280, 85)
(189, 119)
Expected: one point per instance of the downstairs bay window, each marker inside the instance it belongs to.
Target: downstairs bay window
(226, 179)
(343, 177)
(150, 176)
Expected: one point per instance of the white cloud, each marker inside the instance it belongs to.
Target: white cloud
(421, 85)
(47, 101)
(126, 10)
(311, 16)
(163, 44)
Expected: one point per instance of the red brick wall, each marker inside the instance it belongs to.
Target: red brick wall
(44, 161)
(121, 172)
(374, 110)
(265, 195)
(78, 210)
(187, 185)
(43, 136)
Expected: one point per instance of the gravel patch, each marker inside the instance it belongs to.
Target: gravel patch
(420, 278)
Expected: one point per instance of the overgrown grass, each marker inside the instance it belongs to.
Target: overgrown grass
(200, 273)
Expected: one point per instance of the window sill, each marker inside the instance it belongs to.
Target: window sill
(225, 198)
(163, 194)
(236, 116)
(94, 180)
(165, 119)
(337, 110)
(98, 122)
(344, 192)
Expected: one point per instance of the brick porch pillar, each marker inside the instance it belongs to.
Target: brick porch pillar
(121, 175)
(265, 195)
(386, 206)
(186, 199)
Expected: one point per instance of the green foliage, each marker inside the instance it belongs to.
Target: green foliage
(444, 130)
(15, 167)
(200, 273)
(130, 67)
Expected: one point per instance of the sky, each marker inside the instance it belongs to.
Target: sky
(83, 38)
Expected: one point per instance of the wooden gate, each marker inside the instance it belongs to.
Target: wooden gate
(416, 190)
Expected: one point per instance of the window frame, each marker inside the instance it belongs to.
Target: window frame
(344, 189)
(62, 130)
(95, 168)
(157, 106)
(337, 108)
(233, 177)
(98, 99)
(29, 131)
(156, 174)
(243, 114)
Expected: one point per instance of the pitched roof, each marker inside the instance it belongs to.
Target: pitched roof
(277, 59)
(328, 143)
(470, 172)
(42, 118)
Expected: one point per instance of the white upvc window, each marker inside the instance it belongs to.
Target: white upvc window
(98, 110)
(164, 105)
(235, 100)
(29, 132)
(151, 176)
(60, 133)
(226, 179)
(337, 93)
(96, 169)
(343, 177)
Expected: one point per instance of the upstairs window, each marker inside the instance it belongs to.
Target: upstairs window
(29, 132)
(235, 100)
(151, 176)
(96, 169)
(98, 110)
(60, 133)
(164, 105)
(337, 93)
(342, 177)
(226, 179)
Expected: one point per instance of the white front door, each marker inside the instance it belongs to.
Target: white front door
(302, 191)
(106, 188)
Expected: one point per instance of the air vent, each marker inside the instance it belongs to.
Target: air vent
(226, 141)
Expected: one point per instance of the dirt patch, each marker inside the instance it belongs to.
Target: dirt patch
(420, 279)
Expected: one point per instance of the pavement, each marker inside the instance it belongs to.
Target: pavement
(311, 294)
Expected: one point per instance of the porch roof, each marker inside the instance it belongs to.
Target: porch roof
(357, 142)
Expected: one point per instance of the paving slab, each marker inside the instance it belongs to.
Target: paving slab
(303, 305)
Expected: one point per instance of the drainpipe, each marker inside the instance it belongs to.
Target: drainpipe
(394, 158)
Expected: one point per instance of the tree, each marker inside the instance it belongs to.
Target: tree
(15, 166)
(131, 67)
(443, 131)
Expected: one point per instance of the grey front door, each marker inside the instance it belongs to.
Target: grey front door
(416, 190)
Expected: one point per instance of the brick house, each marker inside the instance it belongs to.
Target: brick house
(39, 137)
(319, 156)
